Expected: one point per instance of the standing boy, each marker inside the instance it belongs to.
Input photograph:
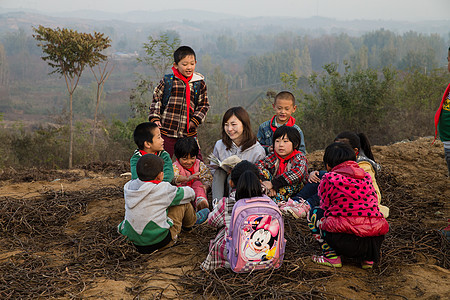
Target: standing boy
(442, 120)
(156, 211)
(147, 137)
(180, 102)
(284, 106)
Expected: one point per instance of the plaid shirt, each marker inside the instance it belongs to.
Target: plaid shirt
(296, 170)
(174, 117)
(219, 217)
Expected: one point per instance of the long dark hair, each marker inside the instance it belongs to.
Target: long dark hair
(248, 186)
(249, 138)
(357, 140)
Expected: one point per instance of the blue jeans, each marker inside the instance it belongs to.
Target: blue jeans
(309, 193)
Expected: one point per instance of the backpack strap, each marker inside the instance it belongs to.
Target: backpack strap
(168, 83)
(196, 85)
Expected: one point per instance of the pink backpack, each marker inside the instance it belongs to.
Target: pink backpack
(255, 237)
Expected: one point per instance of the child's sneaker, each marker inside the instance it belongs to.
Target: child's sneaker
(202, 216)
(331, 262)
(367, 264)
(299, 210)
(201, 203)
(296, 209)
(283, 204)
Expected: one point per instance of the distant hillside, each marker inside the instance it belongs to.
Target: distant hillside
(206, 22)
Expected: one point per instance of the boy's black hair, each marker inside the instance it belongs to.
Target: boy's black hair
(292, 134)
(284, 95)
(144, 133)
(359, 141)
(182, 52)
(185, 146)
(248, 186)
(240, 168)
(337, 153)
(149, 166)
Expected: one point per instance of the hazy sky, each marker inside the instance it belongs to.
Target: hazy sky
(410, 10)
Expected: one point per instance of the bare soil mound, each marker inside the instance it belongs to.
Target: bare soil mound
(59, 240)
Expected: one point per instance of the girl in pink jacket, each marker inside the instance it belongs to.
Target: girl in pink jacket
(190, 171)
(348, 221)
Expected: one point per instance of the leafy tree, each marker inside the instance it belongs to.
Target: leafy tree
(355, 100)
(100, 78)
(159, 56)
(160, 52)
(68, 52)
(226, 46)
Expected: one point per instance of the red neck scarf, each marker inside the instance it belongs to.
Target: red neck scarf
(283, 161)
(144, 153)
(290, 123)
(153, 181)
(188, 91)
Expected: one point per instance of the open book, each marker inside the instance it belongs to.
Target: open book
(227, 164)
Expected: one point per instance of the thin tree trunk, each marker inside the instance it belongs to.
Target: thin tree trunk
(95, 117)
(70, 134)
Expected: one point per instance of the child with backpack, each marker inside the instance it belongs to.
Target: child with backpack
(190, 171)
(348, 221)
(284, 169)
(250, 226)
(180, 101)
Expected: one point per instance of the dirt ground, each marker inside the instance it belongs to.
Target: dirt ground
(59, 240)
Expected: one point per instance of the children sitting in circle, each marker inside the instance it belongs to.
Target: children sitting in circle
(348, 221)
(284, 169)
(237, 139)
(191, 171)
(343, 204)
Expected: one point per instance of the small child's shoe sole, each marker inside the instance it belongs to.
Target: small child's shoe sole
(321, 260)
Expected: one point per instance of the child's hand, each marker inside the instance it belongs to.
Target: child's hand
(272, 193)
(192, 125)
(268, 185)
(314, 177)
(270, 148)
(194, 176)
(157, 123)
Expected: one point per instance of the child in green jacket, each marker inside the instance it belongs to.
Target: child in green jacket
(147, 137)
(156, 211)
